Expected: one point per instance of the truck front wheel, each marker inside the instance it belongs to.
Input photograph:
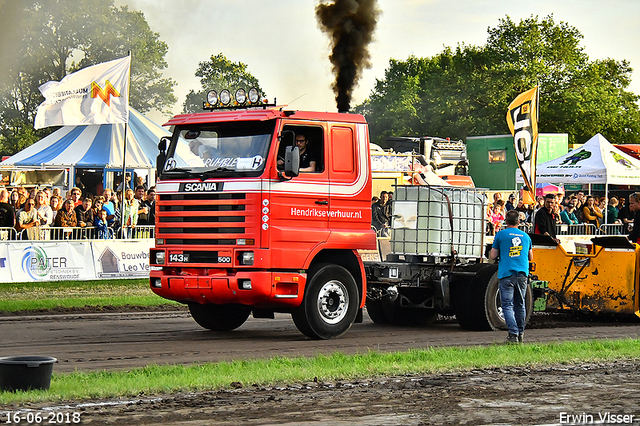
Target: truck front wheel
(330, 303)
(219, 317)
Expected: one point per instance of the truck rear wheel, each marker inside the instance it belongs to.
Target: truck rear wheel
(478, 303)
(398, 315)
(219, 317)
(375, 311)
(330, 303)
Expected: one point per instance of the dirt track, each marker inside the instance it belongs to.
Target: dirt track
(505, 396)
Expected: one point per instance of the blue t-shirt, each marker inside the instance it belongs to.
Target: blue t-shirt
(110, 208)
(514, 246)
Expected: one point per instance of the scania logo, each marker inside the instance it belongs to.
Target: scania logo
(201, 187)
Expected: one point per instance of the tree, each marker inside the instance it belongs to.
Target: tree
(62, 36)
(466, 91)
(219, 73)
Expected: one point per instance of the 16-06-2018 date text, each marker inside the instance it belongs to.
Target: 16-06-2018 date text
(29, 417)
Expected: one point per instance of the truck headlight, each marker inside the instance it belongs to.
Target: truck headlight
(160, 257)
(246, 258)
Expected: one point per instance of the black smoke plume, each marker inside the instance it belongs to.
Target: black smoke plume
(350, 24)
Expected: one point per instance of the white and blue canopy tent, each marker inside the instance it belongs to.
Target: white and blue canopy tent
(595, 162)
(98, 147)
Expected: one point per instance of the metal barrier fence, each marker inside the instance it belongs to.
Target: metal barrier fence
(526, 227)
(577, 229)
(70, 234)
(8, 234)
(614, 229)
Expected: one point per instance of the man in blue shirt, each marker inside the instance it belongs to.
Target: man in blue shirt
(515, 251)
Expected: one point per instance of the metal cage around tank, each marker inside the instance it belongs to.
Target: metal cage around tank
(437, 221)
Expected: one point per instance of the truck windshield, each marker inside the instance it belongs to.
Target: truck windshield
(221, 148)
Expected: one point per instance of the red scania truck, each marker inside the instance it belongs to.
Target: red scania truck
(240, 230)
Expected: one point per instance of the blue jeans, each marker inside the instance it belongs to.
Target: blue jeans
(513, 290)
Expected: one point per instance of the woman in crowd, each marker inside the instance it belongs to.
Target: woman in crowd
(55, 203)
(14, 200)
(66, 216)
(98, 202)
(44, 213)
(568, 215)
(590, 213)
(20, 200)
(130, 216)
(28, 221)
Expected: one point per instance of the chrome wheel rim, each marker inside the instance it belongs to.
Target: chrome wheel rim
(333, 302)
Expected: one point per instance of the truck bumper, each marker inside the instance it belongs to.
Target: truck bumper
(259, 289)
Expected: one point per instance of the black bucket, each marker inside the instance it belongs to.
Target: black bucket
(21, 373)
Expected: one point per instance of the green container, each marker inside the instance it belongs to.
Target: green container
(492, 159)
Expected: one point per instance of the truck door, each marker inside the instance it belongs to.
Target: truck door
(299, 208)
(349, 186)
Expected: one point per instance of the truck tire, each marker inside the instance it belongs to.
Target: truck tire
(330, 303)
(219, 317)
(374, 309)
(478, 303)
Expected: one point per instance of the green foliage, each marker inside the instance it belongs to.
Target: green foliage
(216, 74)
(61, 36)
(466, 91)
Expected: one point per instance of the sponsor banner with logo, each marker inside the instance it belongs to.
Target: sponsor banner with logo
(5, 269)
(49, 261)
(58, 261)
(121, 258)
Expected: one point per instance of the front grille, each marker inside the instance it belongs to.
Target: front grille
(200, 231)
(207, 219)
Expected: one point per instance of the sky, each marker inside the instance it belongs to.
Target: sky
(284, 48)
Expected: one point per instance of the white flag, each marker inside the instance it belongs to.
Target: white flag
(98, 94)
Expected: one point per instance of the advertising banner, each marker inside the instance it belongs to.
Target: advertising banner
(50, 261)
(121, 258)
(522, 118)
(5, 269)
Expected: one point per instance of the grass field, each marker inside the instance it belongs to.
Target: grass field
(69, 294)
(154, 379)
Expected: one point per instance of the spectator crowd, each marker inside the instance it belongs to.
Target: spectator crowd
(542, 217)
(556, 209)
(35, 214)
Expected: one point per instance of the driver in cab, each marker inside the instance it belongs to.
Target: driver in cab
(308, 161)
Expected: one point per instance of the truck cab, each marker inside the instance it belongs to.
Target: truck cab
(241, 230)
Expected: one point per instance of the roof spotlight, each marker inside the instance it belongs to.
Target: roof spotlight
(225, 97)
(254, 95)
(241, 96)
(212, 97)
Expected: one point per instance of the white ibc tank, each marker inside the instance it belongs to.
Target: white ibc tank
(423, 218)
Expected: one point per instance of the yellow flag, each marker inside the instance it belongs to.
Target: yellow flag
(522, 118)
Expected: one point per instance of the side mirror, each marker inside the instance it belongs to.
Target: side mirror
(162, 145)
(287, 138)
(292, 161)
(162, 155)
